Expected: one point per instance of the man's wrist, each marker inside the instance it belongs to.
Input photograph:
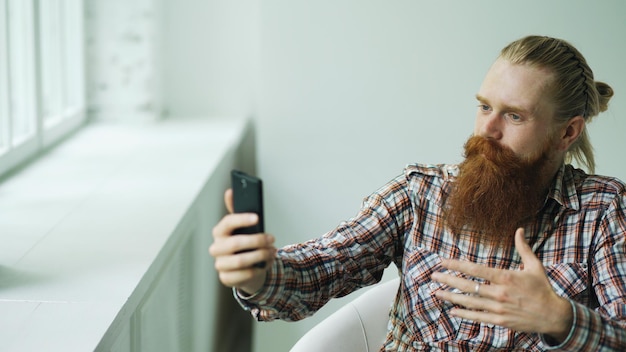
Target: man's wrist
(563, 323)
(252, 287)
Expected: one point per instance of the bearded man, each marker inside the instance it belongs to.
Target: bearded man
(513, 249)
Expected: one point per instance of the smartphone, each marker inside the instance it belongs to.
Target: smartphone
(247, 198)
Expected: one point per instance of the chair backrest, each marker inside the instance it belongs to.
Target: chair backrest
(360, 325)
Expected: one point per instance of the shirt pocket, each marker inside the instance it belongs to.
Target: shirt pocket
(422, 312)
(570, 280)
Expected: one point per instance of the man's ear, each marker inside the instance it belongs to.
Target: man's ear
(571, 131)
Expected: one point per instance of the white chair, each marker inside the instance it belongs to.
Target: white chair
(360, 325)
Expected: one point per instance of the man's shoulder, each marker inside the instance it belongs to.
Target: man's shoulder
(444, 171)
(597, 182)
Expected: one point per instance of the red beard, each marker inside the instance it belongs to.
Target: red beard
(496, 191)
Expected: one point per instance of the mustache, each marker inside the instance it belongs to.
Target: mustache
(494, 152)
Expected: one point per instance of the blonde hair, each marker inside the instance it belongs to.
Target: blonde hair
(573, 89)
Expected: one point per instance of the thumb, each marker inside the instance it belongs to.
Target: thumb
(228, 200)
(529, 259)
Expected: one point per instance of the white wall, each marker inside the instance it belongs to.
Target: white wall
(123, 61)
(209, 57)
(346, 92)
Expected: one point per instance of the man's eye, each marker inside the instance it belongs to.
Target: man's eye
(484, 107)
(514, 118)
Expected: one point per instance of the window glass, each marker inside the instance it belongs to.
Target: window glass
(51, 66)
(4, 82)
(42, 76)
(21, 72)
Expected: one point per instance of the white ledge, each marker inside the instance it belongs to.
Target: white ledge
(81, 227)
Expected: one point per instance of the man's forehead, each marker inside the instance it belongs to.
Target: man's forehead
(519, 86)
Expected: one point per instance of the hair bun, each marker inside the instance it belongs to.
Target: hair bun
(605, 92)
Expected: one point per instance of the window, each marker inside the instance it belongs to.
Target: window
(42, 95)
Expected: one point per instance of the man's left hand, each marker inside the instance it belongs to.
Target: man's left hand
(521, 300)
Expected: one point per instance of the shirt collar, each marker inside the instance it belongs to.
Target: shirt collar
(563, 189)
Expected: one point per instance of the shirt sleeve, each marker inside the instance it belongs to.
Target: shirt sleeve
(604, 328)
(306, 276)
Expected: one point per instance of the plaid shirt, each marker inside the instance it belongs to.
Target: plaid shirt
(579, 235)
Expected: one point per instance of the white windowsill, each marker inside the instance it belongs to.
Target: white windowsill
(80, 227)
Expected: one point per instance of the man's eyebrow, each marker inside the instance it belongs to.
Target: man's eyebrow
(482, 99)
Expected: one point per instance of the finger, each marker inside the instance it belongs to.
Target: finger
(228, 200)
(238, 277)
(231, 222)
(244, 260)
(235, 244)
(477, 315)
(529, 259)
(453, 281)
(464, 300)
(471, 269)
(476, 308)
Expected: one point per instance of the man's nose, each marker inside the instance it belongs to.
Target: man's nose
(490, 126)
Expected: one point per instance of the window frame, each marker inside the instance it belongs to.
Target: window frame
(48, 57)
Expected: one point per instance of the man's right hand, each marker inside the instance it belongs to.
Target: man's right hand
(235, 256)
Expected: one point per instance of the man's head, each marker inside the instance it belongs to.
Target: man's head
(570, 88)
(533, 107)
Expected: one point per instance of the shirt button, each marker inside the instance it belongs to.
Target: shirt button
(433, 286)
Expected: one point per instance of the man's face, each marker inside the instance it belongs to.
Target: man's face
(502, 181)
(513, 108)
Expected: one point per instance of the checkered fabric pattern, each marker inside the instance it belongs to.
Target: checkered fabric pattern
(579, 235)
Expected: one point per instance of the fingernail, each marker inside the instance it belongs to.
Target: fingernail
(253, 217)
